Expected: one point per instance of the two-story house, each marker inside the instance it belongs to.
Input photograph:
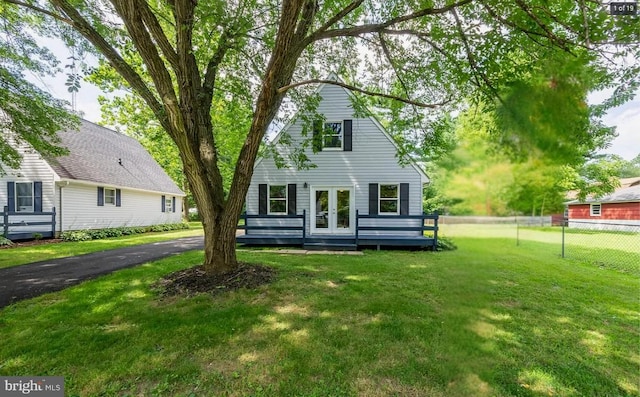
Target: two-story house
(356, 193)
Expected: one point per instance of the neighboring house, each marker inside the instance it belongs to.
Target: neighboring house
(355, 171)
(107, 180)
(619, 210)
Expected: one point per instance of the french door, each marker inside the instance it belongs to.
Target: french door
(332, 210)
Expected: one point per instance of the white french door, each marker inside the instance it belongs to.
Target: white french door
(332, 210)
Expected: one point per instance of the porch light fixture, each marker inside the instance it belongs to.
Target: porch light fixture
(305, 185)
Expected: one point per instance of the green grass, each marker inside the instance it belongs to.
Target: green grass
(490, 319)
(605, 249)
(21, 255)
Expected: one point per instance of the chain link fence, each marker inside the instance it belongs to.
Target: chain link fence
(606, 245)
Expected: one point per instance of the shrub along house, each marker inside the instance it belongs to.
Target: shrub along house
(107, 180)
(355, 194)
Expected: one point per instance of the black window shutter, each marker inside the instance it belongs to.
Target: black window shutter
(118, 198)
(163, 201)
(404, 199)
(100, 196)
(37, 196)
(373, 199)
(262, 199)
(11, 192)
(291, 199)
(317, 136)
(348, 128)
(173, 204)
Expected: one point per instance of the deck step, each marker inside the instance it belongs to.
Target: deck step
(330, 247)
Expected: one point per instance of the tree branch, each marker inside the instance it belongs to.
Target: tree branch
(472, 60)
(40, 10)
(377, 27)
(136, 82)
(284, 89)
(338, 17)
(154, 27)
(548, 33)
(306, 18)
(212, 66)
(132, 18)
(387, 54)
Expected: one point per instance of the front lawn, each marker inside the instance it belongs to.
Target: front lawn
(490, 319)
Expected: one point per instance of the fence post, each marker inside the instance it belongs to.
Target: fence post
(435, 230)
(246, 223)
(564, 222)
(5, 222)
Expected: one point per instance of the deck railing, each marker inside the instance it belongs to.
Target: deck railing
(404, 228)
(418, 225)
(24, 222)
(286, 227)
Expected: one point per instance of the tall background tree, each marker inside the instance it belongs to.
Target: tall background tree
(178, 56)
(28, 115)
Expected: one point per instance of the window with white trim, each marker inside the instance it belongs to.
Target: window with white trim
(595, 209)
(24, 197)
(277, 199)
(389, 199)
(332, 136)
(109, 196)
(168, 204)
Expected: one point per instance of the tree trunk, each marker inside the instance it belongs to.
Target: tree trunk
(185, 202)
(219, 249)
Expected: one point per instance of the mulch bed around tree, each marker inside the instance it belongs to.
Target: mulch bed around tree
(194, 280)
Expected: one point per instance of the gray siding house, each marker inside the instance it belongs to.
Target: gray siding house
(107, 180)
(357, 193)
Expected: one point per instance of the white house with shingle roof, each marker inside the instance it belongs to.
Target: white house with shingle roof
(107, 180)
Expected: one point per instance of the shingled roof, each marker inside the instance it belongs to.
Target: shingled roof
(103, 156)
(624, 195)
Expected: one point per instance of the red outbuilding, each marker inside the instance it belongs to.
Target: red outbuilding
(619, 210)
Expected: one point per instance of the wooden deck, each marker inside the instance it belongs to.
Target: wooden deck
(291, 230)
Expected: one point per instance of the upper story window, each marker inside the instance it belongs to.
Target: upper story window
(596, 210)
(389, 196)
(277, 199)
(24, 196)
(110, 196)
(333, 135)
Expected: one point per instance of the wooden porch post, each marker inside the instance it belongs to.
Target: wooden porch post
(435, 231)
(5, 222)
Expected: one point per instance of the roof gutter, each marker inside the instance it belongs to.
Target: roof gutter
(66, 182)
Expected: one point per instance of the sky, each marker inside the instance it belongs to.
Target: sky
(625, 118)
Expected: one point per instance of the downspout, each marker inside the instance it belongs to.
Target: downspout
(59, 211)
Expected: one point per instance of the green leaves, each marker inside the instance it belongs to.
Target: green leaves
(28, 115)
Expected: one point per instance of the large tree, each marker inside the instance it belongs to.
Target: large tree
(28, 115)
(179, 55)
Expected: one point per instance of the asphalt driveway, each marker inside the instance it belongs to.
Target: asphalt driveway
(34, 279)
